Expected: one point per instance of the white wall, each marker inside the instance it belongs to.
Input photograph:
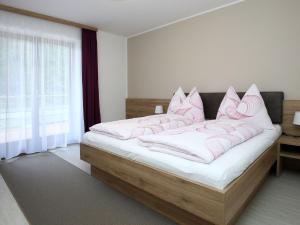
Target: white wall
(112, 63)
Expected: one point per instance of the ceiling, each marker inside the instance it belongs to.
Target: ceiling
(124, 17)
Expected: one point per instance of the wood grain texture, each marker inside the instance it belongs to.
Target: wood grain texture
(246, 186)
(289, 109)
(138, 107)
(289, 140)
(220, 207)
(44, 17)
(278, 163)
(169, 210)
(195, 198)
(287, 154)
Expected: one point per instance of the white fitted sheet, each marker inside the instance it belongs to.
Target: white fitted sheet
(217, 174)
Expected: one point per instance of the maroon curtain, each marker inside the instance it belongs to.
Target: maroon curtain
(91, 108)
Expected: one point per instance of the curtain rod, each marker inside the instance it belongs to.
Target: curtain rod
(44, 17)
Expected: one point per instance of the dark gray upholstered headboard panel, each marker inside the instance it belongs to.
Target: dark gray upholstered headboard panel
(273, 101)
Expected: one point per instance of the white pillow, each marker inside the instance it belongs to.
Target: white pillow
(252, 109)
(229, 104)
(176, 101)
(192, 107)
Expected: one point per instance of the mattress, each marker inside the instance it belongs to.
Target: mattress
(217, 174)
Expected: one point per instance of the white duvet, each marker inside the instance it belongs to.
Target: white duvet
(132, 128)
(217, 174)
(201, 142)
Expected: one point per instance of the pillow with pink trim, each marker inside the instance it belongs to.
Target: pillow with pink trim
(252, 109)
(176, 101)
(229, 104)
(192, 107)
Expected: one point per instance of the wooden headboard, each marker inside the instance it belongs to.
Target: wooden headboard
(138, 107)
(211, 101)
(289, 109)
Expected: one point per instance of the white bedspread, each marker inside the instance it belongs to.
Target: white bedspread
(217, 174)
(132, 128)
(201, 142)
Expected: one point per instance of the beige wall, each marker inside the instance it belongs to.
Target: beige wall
(256, 41)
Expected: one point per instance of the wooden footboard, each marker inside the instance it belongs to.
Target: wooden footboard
(182, 200)
(171, 211)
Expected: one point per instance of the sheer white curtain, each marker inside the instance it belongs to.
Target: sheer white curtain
(40, 85)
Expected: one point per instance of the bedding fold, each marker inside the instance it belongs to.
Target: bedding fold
(201, 142)
(133, 128)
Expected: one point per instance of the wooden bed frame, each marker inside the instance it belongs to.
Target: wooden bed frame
(184, 201)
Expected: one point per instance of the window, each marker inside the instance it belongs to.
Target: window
(40, 85)
(21, 58)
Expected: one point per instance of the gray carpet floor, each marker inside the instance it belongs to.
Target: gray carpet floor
(50, 191)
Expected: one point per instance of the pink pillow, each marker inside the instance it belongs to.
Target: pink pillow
(176, 101)
(252, 109)
(192, 107)
(228, 107)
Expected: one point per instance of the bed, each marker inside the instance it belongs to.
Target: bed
(188, 195)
